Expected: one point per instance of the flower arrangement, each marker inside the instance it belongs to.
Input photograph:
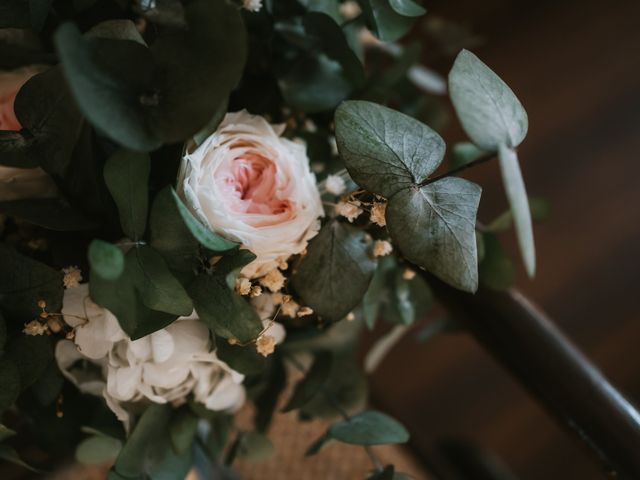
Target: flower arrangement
(199, 196)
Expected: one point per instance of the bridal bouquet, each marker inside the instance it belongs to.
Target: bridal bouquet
(200, 197)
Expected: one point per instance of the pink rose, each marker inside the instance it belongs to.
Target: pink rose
(251, 185)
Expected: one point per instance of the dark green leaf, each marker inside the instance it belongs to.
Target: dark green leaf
(182, 430)
(118, 29)
(3, 333)
(408, 8)
(310, 385)
(32, 355)
(372, 299)
(9, 454)
(206, 237)
(225, 312)
(133, 456)
(330, 7)
(384, 21)
(315, 84)
(434, 227)
(369, 428)
(245, 360)
(127, 174)
(23, 282)
(267, 400)
(50, 213)
(5, 432)
(334, 44)
(143, 97)
(170, 235)
(489, 111)
(48, 385)
(98, 450)
(385, 150)
(517, 195)
(106, 259)
(335, 274)
(10, 380)
(212, 125)
(496, 269)
(158, 288)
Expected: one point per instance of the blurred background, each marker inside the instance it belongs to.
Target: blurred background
(575, 65)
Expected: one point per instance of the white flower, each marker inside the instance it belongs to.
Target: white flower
(335, 184)
(165, 366)
(251, 185)
(252, 5)
(350, 210)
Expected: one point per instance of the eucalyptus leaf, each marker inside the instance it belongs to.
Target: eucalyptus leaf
(408, 8)
(10, 380)
(488, 109)
(106, 259)
(205, 236)
(330, 7)
(517, 195)
(464, 153)
(266, 402)
(118, 29)
(369, 428)
(127, 174)
(98, 450)
(312, 383)
(336, 272)
(387, 24)
(131, 461)
(225, 312)
(496, 269)
(243, 359)
(24, 282)
(385, 150)
(434, 227)
(334, 44)
(158, 288)
(170, 235)
(182, 430)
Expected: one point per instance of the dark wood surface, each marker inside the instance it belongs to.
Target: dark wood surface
(576, 67)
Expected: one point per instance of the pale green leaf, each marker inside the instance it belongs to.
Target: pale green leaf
(369, 428)
(408, 8)
(98, 450)
(384, 21)
(517, 195)
(489, 111)
(434, 227)
(106, 259)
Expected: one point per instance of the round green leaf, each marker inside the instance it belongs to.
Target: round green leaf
(488, 109)
(408, 8)
(98, 450)
(369, 428)
(434, 227)
(106, 259)
(385, 150)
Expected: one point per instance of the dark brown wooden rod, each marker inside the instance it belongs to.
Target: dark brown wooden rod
(525, 341)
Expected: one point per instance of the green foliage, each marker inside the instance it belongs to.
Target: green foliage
(126, 174)
(97, 450)
(408, 8)
(243, 359)
(24, 13)
(495, 120)
(204, 235)
(464, 153)
(182, 430)
(23, 282)
(385, 21)
(336, 272)
(32, 355)
(143, 97)
(496, 269)
(10, 380)
(391, 154)
(312, 383)
(106, 259)
(137, 453)
(369, 428)
(225, 312)
(50, 213)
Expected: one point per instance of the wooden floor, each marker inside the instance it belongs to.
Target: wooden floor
(576, 67)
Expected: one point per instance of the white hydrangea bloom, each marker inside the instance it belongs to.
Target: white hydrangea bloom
(252, 5)
(165, 366)
(335, 185)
